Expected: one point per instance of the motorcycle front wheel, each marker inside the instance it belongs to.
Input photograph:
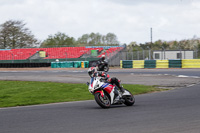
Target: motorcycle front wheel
(104, 102)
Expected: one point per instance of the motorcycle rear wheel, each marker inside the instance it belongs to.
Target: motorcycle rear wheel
(106, 68)
(129, 100)
(104, 102)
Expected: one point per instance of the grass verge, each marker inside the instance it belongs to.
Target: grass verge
(21, 93)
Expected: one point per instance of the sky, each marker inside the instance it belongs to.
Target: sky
(129, 20)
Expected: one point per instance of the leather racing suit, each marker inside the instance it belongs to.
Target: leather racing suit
(107, 79)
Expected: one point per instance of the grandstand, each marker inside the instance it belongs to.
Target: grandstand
(111, 51)
(46, 55)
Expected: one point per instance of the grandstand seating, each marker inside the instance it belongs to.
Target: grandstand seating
(54, 53)
(111, 51)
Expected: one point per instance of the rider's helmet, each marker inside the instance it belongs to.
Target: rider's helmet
(91, 71)
(103, 57)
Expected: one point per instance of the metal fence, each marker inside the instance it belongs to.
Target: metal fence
(144, 55)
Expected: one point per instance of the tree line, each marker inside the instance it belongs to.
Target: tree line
(15, 34)
(92, 39)
(186, 44)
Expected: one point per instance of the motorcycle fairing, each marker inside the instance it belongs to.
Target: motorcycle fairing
(126, 93)
(91, 81)
(101, 92)
(107, 87)
(110, 89)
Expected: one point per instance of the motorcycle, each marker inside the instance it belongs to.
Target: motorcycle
(106, 94)
(103, 66)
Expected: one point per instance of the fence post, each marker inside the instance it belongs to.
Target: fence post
(143, 54)
(149, 52)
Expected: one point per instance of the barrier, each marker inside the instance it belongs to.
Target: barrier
(64, 64)
(175, 64)
(47, 60)
(127, 64)
(84, 64)
(53, 65)
(162, 63)
(23, 65)
(138, 63)
(70, 64)
(191, 63)
(184, 63)
(77, 64)
(121, 66)
(150, 64)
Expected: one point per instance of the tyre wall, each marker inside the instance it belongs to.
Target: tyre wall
(188, 63)
(184, 63)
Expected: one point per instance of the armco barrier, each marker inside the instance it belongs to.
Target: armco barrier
(138, 63)
(191, 63)
(162, 64)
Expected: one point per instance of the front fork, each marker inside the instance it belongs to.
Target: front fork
(101, 92)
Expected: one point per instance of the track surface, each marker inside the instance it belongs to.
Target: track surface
(161, 77)
(174, 111)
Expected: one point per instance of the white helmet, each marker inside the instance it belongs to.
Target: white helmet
(91, 71)
(103, 57)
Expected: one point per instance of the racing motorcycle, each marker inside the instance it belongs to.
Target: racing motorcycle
(103, 66)
(106, 94)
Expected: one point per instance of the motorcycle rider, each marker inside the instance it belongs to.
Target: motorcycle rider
(103, 57)
(101, 61)
(94, 73)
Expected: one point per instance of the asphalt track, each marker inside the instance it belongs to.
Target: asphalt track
(161, 77)
(174, 111)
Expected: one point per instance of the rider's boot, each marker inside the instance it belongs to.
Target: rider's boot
(119, 86)
(122, 89)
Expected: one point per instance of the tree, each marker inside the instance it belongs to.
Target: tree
(95, 39)
(84, 39)
(133, 47)
(59, 39)
(92, 38)
(111, 39)
(98, 39)
(14, 34)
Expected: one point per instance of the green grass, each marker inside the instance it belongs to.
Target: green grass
(21, 93)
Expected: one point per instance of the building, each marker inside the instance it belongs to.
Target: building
(173, 54)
